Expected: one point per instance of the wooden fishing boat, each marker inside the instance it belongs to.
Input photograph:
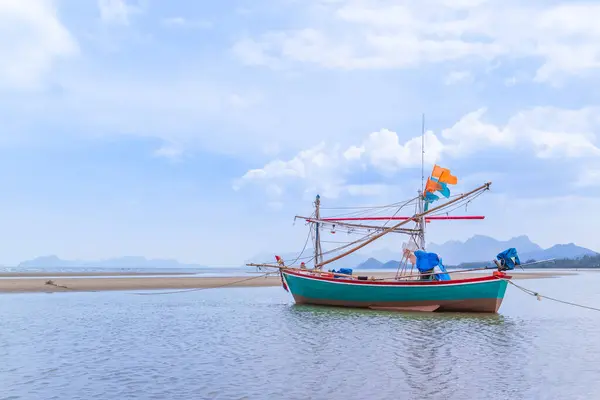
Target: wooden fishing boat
(421, 282)
(481, 294)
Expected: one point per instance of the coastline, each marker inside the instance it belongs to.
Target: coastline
(85, 282)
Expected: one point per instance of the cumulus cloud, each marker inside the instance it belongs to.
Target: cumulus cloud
(32, 42)
(543, 132)
(376, 34)
(547, 131)
(318, 167)
(117, 11)
(385, 152)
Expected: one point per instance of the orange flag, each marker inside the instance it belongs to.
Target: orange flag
(443, 175)
(432, 186)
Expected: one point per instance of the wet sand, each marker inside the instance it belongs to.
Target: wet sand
(88, 283)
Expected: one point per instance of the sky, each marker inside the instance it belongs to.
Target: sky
(197, 130)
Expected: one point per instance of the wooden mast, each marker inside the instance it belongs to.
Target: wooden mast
(318, 251)
(391, 228)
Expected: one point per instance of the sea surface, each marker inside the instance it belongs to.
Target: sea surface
(254, 343)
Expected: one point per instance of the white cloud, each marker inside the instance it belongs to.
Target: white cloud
(550, 132)
(354, 153)
(318, 167)
(33, 40)
(117, 11)
(373, 34)
(455, 77)
(470, 133)
(170, 151)
(544, 132)
(385, 152)
(181, 22)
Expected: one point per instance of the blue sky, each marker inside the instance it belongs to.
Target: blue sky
(196, 130)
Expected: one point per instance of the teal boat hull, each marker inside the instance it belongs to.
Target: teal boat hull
(482, 294)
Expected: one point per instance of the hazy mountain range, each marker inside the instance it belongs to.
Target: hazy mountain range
(484, 248)
(479, 248)
(476, 249)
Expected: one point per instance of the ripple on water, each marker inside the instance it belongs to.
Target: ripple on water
(253, 343)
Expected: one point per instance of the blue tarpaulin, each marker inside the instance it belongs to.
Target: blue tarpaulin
(426, 262)
(509, 258)
(347, 271)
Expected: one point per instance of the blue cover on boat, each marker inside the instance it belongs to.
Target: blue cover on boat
(426, 262)
(445, 276)
(509, 258)
(347, 271)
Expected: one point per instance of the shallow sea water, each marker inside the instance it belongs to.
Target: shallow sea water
(254, 343)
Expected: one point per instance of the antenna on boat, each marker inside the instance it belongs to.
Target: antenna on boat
(422, 192)
(423, 153)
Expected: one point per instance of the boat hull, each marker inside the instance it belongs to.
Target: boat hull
(483, 294)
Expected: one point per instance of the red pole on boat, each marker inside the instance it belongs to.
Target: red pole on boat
(432, 218)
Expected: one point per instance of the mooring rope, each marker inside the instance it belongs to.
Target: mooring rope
(205, 288)
(540, 296)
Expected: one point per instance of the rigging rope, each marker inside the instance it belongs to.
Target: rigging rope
(462, 202)
(364, 207)
(540, 296)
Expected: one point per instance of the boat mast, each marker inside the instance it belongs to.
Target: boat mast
(421, 224)
(318, 251)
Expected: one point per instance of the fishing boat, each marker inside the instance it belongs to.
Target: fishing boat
(421, 282)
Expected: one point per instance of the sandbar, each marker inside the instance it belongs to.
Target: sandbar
(83, 273)
(86, 284)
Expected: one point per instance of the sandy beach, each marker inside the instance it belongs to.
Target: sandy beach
(67, 274)
(86, 281)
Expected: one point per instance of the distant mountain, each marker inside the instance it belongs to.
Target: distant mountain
(558, 251)
(373, 263)
(480, 248)
(370, 263)
(120, 262)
